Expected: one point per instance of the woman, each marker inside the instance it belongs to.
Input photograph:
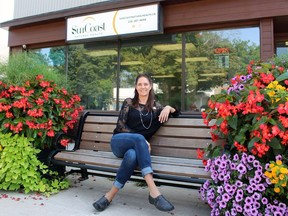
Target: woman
(139, 118)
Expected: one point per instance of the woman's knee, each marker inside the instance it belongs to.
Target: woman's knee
(130, 157)
(140, 140)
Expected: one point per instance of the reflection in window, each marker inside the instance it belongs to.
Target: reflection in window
(186, 68)
(158, 57)
(216, 57)
(92, 74)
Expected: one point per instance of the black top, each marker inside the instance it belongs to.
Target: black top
(139, 120)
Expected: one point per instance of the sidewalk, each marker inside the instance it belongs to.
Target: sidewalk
(78, 199)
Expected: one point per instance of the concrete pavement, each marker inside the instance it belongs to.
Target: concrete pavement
(78, 199)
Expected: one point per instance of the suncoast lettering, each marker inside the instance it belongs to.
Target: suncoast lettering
(87, 28)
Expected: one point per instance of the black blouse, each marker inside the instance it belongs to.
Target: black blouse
(132, 120)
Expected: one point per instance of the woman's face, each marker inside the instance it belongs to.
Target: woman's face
(143, 86)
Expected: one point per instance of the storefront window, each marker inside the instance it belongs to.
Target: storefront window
(158, 57)
(212, 60)
(186, 68)
(54, 57)
(92, 74)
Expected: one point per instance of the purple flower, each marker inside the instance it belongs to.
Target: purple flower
(264, 200)
(256, 163)
(236, 157)
(278, 157)
(233, 166)
(249, 76)
(250, 189)
(242, 78)
(251, 158)
(220, 189)
(260, 187)
(238, 208)
(242, 169)
(225, 197)
(239, 183)
(241, 87)
(222, 204)
(239, 196)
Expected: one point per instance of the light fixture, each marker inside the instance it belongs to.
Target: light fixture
(98, 53)
(171, 47)
(127, 63)
(192, 59)
(286, 43)
(213, 74)
(163, 76)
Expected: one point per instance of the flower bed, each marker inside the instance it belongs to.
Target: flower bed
(249, 174)
(38, 109)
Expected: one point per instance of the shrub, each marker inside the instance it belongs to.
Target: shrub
(20, 168)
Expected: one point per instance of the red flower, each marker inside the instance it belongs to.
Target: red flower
(200, 153)
(64, 142)
(50, 133)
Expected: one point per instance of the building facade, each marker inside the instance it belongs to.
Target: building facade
(190, 48)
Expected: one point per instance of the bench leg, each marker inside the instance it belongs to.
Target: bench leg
(84, 175)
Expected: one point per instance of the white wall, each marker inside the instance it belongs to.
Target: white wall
(6, 13)
(25, 8)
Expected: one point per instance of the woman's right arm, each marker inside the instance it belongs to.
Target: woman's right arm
(121, 125)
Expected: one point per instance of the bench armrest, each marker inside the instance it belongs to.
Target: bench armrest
(61, 136)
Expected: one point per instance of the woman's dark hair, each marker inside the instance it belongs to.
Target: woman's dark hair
(151, 97)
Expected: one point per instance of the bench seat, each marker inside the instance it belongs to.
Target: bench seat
(173, 150)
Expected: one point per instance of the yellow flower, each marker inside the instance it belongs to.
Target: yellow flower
(284, 184)
(275, 83)
(281, 176)
(274, 181)
(284, 170)
(278, 162)
(268, 174)
(277, 190)
(271, 165)
(271, 93)
(279, 87)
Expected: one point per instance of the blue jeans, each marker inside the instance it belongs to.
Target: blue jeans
(134, 150)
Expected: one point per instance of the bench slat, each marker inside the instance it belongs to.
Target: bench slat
(98, 137)
(172, 121)
(100, 160)
(99, 127)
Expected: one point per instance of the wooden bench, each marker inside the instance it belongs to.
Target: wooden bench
(173, 154)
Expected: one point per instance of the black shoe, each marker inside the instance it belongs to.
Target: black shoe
(101, 204)
(161, 203)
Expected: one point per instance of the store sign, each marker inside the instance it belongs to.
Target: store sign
(138, 20)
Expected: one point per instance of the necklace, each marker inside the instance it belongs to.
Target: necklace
(146, 114)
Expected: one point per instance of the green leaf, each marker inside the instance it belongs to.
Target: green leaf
(219, 121)
(232, 122)
(275, 144)
(252, 141)
(282, 77)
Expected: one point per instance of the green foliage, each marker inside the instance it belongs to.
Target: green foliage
(25, 66)
(280, 60)
(20, 168)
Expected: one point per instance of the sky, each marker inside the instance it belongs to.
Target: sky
(6, 13)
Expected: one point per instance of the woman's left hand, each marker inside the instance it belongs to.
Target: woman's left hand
(164, 115)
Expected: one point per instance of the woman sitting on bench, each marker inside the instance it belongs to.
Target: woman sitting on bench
(139, 118)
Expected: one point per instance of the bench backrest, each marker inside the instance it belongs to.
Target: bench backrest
(178, 137)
